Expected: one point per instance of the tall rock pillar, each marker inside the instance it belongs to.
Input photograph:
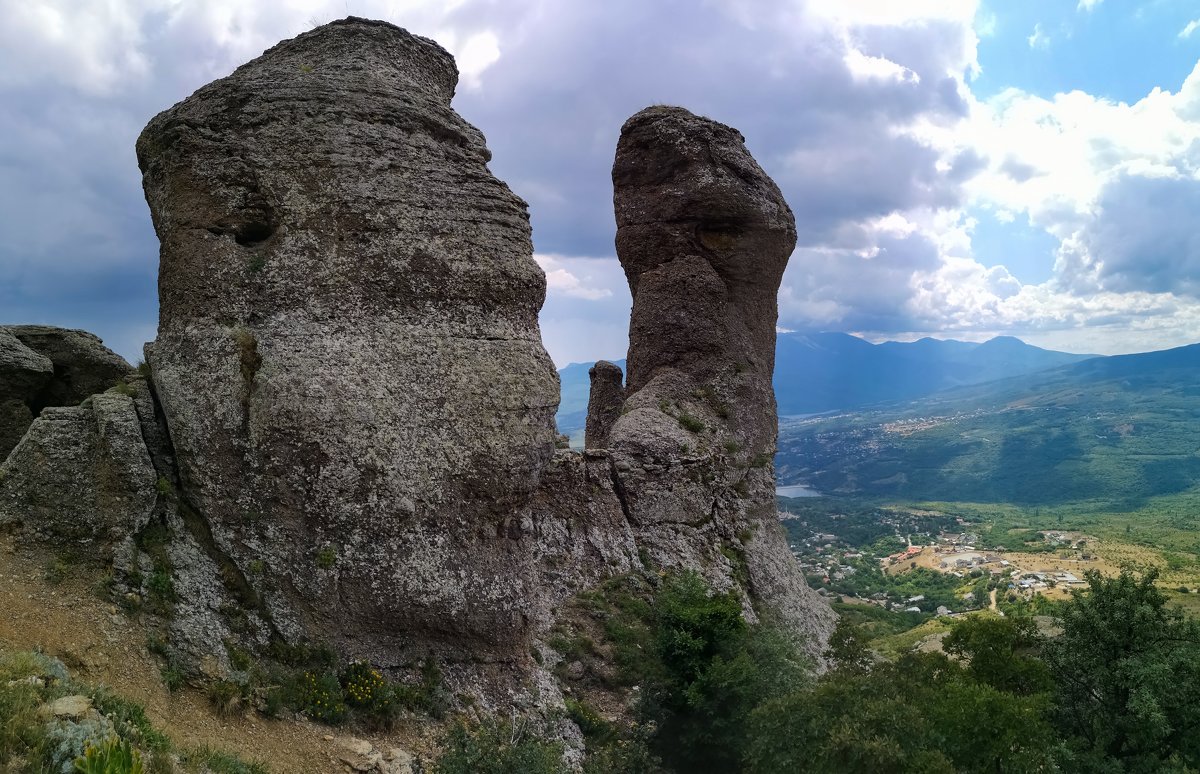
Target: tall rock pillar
(704, 235)
(348, 354)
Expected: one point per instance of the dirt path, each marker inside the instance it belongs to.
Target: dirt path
(992, 604)
(101, 645)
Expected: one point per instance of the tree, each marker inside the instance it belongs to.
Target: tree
(715, 670)
(1000, 652)
(1127, 670)
(922, 713)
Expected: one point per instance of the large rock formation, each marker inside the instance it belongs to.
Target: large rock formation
(349, 434)
(83, 366)
(43, 366)
(348, 356)
(704, 236)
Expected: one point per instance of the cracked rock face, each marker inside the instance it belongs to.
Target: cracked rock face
(80, 476)
(704, 235)
(348, 355)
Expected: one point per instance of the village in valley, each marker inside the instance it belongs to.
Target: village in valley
(921, 561)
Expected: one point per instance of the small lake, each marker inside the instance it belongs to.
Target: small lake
(796, 490)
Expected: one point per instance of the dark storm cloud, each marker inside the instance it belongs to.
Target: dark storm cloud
(1144, 237)
(568, 75)
(553, 105)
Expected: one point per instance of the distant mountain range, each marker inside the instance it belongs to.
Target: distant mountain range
(1115, 429)
(818, 372)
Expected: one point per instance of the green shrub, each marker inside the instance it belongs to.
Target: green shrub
(128, 719)
(21, 730)
(55, 572)
(113, 756)
(164, 487)
(498, 747)
(320, 698)
(66, 741)
(326, 557)
(161, 587)
(217, 762)
(226, 697)
(172, 677)
(629, 754)
(690, 423)
(366, 690)
(256, 263)
(124, 388)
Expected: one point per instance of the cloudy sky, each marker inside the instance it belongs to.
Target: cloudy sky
(961, 169)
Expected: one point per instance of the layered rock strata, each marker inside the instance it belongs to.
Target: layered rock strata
(348, 357)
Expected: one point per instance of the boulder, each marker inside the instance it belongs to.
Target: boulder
(704, 236)
(73, 707)
(43, 366)
(348, 356)
(23, 374)
(81, 476)
(82, 365)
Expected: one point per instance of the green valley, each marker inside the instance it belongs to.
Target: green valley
(1115, 432)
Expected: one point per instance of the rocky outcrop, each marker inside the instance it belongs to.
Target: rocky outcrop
(82, 365)
(43, 366)
(605, 401)
(23, 373)
(81, 476)
(349, 434)
(348, 356)
(704, 235)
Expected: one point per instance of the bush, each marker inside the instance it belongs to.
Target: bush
(708, 672)
(113, 756)
(226, 697)
(364, 688)
(498, 747)
(129, 719)
(320, 697)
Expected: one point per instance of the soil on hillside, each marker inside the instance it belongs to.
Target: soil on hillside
(102, 645)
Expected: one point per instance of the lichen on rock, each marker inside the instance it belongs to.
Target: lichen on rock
(348, 355)
(81, 476)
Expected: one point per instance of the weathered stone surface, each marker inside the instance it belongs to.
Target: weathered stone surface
(348, 356)
(15, 419)
(605, 400)
(704, 236)
(82, 365)
(23, 374)
(72, 707)
(81, 474)
(580, 532)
